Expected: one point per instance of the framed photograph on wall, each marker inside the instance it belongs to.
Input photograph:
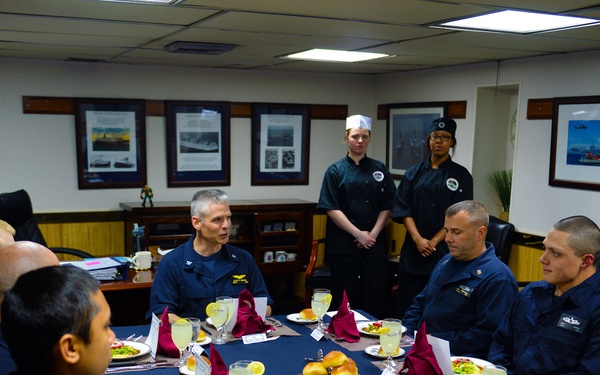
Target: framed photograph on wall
(280, 144)
(111, 143)
(198, 143)
(408, 126)
(575, 144)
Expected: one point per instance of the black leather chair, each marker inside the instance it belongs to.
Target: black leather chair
(16, 209)
(501, 234)
(316, 276)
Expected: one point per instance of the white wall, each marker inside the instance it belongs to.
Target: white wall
(38, 151)
(536, 206)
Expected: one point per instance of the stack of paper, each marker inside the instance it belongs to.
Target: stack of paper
(102, 268)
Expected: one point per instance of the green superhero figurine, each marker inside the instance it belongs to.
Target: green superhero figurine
(146, 193)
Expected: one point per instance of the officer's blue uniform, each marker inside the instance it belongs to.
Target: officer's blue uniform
(550, 335)
(361, 192)
(7, 365)
(186, 284)
(465, 302)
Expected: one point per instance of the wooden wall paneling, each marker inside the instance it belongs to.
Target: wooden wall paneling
(97, 238)
(524, 263)
(64, 106)
(456, 109)
(539, 109)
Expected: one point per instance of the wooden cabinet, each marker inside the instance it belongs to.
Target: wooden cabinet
(259, 226)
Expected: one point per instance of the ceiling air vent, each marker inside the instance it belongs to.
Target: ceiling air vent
(199, 48)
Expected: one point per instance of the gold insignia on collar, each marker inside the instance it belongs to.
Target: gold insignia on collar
(239, 279)
(479, 272)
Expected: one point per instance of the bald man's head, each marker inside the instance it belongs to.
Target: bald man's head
(21, 257)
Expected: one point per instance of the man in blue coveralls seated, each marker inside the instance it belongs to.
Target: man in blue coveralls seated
(553, 326)
(197, 272)
(470, 290)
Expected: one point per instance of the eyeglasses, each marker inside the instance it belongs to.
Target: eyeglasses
(443, 138)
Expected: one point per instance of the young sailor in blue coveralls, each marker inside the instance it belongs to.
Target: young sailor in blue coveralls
(357, 193)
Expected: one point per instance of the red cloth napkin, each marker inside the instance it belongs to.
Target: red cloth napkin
(343, 324)
(165, 342)
(420, 360)
(248, 321)
(217, 365)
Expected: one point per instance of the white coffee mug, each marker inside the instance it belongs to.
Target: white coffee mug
(268, 257)
(280, 256)
(142, 260)
(292, 257)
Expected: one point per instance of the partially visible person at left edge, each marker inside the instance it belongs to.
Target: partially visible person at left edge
(16, 259)
(57, 322)
(357, 193)
(206, 267)
(553, 326)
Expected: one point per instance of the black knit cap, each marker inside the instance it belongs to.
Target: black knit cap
(444, 123)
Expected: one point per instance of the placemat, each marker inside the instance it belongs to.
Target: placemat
(146, 362)
(280, 330)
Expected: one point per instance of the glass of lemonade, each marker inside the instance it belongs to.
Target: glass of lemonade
(493, 370)
(320, 301)
(181, 334)
(390, 341)
(218, 315)
(240, 368)
(227, 302)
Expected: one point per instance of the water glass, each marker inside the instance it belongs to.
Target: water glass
(320, 304)
(240, 368)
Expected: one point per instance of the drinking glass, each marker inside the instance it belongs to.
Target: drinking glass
(218, 316)
(494, 370)
(227, 302)
(320, 301)
(181, 334)
(240, 368)
(390, 341)
(196, 326)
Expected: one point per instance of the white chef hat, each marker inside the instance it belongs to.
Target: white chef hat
(358, 122)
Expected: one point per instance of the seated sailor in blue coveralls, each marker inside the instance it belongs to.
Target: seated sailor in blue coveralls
(197, 272)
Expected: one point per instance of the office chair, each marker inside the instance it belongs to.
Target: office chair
(16, 209)
(501, 234)
(316, 276)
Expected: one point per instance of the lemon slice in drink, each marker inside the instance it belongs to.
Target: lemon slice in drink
(327, 299)
(181, 320)
(257, 368)
(210, 307)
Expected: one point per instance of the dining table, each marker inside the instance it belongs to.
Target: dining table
(281, 356)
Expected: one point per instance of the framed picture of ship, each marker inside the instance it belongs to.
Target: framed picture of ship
(575, 143)
(198, 143)
(280, 144)
(408, 126)
(111, 143)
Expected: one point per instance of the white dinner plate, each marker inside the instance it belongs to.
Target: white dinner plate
(143, 348)
(296, 319)
(374, 351)
(477, 361)
(186, 371)
(206, 341)
(362, 325)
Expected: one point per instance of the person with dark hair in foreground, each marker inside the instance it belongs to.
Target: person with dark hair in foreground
(553, 326)
(56, 321)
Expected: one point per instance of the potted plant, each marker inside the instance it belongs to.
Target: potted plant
(501, 182)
